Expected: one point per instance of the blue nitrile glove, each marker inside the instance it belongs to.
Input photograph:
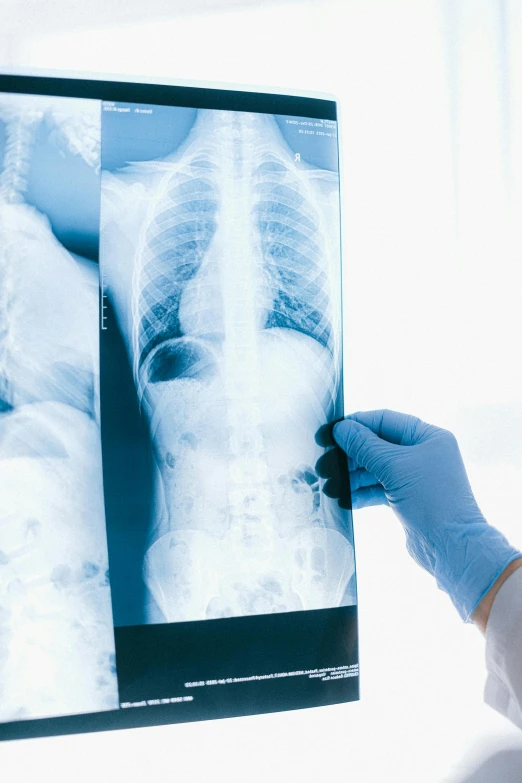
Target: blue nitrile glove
(417, 470)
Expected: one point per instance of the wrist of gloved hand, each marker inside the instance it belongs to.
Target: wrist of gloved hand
(466, 559)
(477, 560)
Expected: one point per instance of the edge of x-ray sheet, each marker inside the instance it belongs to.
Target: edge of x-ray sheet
(203, 566)
(132, 78)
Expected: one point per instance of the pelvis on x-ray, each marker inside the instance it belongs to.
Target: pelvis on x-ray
(222, 263)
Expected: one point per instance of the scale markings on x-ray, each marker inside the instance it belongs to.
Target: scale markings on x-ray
(103, 306)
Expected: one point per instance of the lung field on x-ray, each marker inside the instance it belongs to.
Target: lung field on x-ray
(222, 262)
(177, 242)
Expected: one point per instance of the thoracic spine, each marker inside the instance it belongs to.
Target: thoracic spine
(20, 134)
(13, 180)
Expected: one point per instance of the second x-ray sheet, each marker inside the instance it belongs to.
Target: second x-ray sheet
(220, 257)
(56, 629)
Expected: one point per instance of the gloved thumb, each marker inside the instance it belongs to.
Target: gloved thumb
(365, 447)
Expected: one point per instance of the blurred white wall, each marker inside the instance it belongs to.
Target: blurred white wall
(431, 99)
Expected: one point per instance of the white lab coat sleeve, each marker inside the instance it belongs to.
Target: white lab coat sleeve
(503, 689)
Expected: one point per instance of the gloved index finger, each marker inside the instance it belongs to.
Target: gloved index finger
(402, 429)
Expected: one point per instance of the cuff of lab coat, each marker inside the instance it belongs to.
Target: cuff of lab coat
(503, 689)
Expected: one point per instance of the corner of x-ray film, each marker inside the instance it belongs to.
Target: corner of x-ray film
(222, 262)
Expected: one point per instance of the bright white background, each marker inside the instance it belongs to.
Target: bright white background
(431, 99)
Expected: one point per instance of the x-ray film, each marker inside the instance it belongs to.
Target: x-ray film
(176, 537)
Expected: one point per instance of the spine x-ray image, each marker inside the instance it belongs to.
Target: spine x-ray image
(56, 633)
(170, 368)
(221, 261)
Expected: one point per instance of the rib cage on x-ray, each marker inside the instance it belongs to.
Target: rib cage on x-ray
(223, 290)
(56, 636)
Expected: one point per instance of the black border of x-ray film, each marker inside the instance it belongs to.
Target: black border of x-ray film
(291, 643)
(300, 660)
(167, 95)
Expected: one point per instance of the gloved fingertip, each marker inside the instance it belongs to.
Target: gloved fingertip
(339, 432)
(324, 436)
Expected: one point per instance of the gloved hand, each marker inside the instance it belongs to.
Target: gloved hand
(417, 469)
